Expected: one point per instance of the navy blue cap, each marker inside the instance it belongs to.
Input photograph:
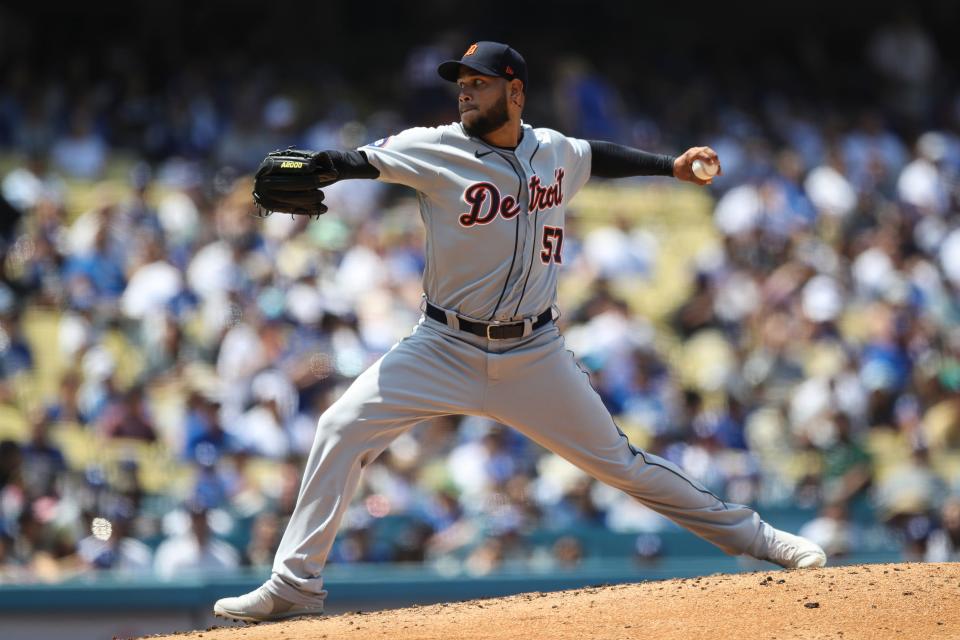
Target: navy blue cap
(489, 59)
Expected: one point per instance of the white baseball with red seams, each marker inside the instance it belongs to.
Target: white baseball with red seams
(704, 169)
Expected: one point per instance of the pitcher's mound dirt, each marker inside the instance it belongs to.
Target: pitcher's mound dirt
(858, 601)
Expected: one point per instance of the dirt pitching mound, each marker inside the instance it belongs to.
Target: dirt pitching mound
(857, 601)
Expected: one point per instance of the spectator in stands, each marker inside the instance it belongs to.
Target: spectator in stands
(16, 354)
(846, 465)
(906, 57)
(127, 416)
(111, 544)
(12, 490)
(410, 545)
(154, 282)
(264, 427)
(44, 542)
(10, 571)
(96, 276)
(43, 462)
(66, 408)
(195, 549)
(26, 186)
(356, 544)
(833, 530)
(82, 153)
(944, 542)
(205, 438)
(568, 552)
(264, 539)
(587, 103)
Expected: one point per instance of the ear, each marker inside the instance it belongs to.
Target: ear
(516, 92)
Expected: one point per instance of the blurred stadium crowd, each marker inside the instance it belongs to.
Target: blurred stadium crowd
(165, 354)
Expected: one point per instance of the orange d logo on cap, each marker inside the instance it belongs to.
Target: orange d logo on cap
(489, 59)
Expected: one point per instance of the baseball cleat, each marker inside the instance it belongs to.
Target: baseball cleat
(262, 606)
(787, 550)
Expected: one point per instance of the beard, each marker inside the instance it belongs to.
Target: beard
(486, 123)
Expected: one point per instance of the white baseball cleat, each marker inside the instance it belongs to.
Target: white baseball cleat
(262, 606)
(787, 550)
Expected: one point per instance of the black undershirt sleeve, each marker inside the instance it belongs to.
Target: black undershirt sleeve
(352, 165)
(609, 160)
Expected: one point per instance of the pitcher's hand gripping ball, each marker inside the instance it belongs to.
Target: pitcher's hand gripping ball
(289, 181)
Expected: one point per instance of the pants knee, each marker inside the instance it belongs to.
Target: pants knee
(348, 437)
(338, 428)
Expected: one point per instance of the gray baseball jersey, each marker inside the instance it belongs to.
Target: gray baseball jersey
(491, 214)
(494, 221)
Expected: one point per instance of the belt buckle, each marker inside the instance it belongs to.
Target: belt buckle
(527, 326)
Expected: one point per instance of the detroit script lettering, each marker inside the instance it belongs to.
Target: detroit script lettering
(486, 202)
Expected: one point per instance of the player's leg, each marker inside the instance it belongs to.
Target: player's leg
(548, 397)
(422, 376)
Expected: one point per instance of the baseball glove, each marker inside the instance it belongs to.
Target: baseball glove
(289, 182)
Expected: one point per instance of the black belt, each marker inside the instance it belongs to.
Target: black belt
(491, 331)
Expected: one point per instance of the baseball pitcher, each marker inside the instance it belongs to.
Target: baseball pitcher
(493, 192)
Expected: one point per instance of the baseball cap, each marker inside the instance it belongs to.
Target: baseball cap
(490, 59)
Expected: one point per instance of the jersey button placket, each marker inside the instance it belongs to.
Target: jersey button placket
(505, 312)
(529, 236)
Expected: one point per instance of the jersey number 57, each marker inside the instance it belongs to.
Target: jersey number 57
(552, 245)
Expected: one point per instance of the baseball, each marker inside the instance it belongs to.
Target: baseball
(704, 170)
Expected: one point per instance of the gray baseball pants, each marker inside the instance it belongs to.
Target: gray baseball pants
(532, 384)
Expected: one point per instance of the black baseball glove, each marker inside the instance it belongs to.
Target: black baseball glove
(289, 182)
